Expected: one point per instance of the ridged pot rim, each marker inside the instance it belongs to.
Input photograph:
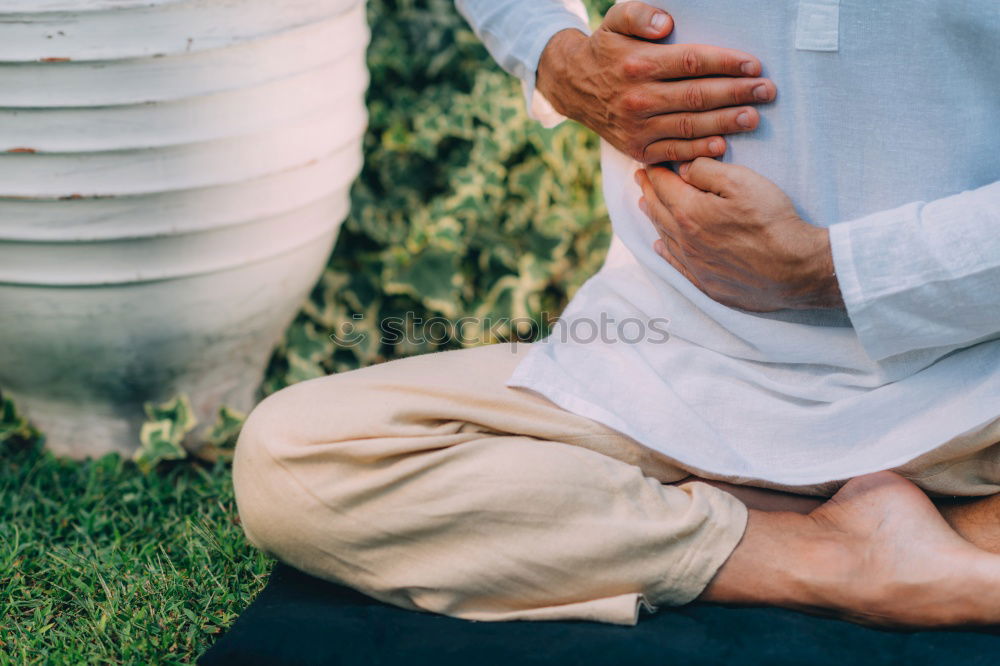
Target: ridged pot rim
(49, 6)
(157, 259)
(151, 80)
(190, 120)
(220, 162)
(88, 30)
(167, 213)
(84, 6)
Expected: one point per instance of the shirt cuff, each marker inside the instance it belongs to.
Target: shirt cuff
(873, 259)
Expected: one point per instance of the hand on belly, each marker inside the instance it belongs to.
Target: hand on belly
(654, 102)
(736, 236)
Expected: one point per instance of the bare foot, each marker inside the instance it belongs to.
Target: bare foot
(913, 569)
(977, 520)
(877, 553)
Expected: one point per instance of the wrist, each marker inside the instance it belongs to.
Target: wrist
(556, 64)
(821, 288)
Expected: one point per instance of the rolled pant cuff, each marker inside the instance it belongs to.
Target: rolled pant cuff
(708, 549)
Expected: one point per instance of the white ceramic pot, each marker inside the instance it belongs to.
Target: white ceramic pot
(173, 174)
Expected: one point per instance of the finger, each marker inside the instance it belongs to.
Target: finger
(682, 137)
(711, 176)
(637, 19)
(693, 125)
(663, 248)
(673, 192)
(663, 223)
(667, 245)
(685, 61)
(660, 248)
(697, 95)
(682, 150)
(654, 209)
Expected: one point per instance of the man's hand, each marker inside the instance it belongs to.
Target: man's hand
(651, 101)
(736, 236)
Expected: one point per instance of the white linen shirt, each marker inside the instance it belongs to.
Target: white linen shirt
(886, 130)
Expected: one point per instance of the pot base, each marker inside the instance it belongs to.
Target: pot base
(207, 336)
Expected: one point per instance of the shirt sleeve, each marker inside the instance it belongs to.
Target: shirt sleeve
(516, 31)
(923, 275)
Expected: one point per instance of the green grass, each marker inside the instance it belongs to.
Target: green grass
(102, 564)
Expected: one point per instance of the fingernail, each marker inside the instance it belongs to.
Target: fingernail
(643, 206)
(683, 169)
(717, 146)
(637, 177)
(743, 120)
(749, 68)
(659, 21)
(761, 93)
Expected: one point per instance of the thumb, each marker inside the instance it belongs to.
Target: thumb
(637, 19)
(710, 175)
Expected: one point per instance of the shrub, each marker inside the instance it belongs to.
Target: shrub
(466, 207)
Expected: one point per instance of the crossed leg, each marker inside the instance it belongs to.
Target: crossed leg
(428, 484)
(975, 519)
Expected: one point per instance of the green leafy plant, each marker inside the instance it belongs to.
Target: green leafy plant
(168, 425)
(162, 435)
(14, 428)
(221, 439)
(465, 208)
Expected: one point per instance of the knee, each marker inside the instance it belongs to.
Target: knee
(290, 461)
(284, 426)
(257, 474)
(298, 493)
(273, 446)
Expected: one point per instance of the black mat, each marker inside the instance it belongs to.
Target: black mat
(303, 621)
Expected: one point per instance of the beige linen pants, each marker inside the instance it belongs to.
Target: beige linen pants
(428, 484)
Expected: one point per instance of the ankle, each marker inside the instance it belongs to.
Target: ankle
(824, 566)
(788, 559)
